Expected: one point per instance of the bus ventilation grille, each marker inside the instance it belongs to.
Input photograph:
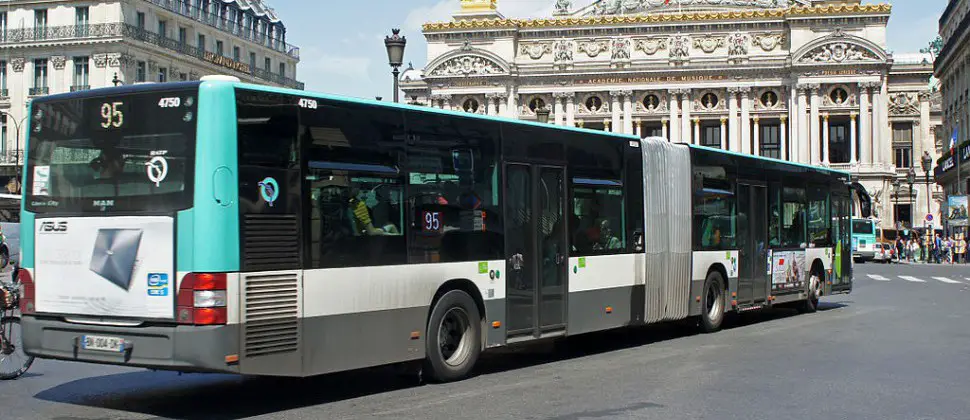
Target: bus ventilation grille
(270, 242)
(271, 314)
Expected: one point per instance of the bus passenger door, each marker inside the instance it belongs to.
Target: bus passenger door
(842, 260)
(536, 248)
(753, 241)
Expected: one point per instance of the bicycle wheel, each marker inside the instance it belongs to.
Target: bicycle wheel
(14, 362)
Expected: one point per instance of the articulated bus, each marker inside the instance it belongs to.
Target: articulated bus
(217, 226)
(863, 239)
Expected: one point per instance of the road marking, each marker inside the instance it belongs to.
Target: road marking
(912, 279)
(946, 280)
(877, 277)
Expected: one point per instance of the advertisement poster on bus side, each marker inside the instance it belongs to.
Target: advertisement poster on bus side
(788, 269)
(105, 266)
(956, 214)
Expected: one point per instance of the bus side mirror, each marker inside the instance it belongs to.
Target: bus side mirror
(865, 202)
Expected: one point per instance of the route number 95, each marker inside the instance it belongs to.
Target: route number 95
(113, 117)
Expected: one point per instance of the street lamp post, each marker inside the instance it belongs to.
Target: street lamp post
(116, 81)
(927, 161)
(395, 55)
(17, 125)
(896, 202)
(911, 179)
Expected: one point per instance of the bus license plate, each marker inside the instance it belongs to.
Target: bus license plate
(101, 343)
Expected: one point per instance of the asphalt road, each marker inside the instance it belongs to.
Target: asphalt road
(897, 348)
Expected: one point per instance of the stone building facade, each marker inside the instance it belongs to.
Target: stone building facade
(57, 46)
(805, 81)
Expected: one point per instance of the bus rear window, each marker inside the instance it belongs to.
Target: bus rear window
(131, 152)
(863, 227)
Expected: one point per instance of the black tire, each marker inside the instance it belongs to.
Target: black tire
(13, 361)
(815, 285)
(454, 338)
(712, 303)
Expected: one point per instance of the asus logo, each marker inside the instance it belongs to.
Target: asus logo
(53, 227)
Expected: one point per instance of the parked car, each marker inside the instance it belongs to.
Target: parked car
(885, 253)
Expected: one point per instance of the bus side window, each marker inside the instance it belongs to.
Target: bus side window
(598, 220)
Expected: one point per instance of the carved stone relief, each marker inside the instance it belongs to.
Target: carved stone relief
(621, 49)
(709, 43)
(738, 44)
(100, 60)
(768, 42)
(467, 65)
(650, 46)
(593, 48)
(679, 48)
(562, 51)
(58, 61)
(839, 52)
(535, 51)
(17, 63)
(904, 103)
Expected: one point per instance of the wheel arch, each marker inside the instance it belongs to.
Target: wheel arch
(466, 286)
(719, 268)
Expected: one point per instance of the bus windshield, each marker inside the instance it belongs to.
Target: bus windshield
(128, 152)
(862, 227)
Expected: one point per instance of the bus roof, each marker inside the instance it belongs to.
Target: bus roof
(142, 87)
(308, 94)
(765, 159)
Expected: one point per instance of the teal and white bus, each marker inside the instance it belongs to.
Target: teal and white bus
(863, 239)
(217, 226)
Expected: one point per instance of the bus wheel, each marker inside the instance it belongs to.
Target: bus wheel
(814, 292)
(712, 303)
(454, 336)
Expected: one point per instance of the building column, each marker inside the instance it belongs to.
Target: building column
(927, 142)
(558, 109)
(854, 153)
(674, 122)
(503, 105)
(886, 152)
(756, 147)
(783, 140)
(615, 108)
(814, 125)
(746, 146)
(724, 138)
(638, 128)
(697, 130)
(628, 111)
(685, 108)
(491, 107)
(793, 115)
(663, 128)
(733, 142)
(877, 139)
(571, 110)
(825, 139)
(514, 110)
(865, 132)
(800, 142)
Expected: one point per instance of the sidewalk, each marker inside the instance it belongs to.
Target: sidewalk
(931, 263)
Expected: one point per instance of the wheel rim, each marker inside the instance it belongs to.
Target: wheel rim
(714, 303)
(454, 334)
(13, 360)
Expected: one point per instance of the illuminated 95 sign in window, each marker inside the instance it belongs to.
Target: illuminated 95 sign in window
(432, 221)
(111, 115)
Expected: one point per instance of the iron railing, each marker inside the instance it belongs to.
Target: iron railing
(78, 88)
(114, 30)
(37, 91)
(153, 38)
(209, 17)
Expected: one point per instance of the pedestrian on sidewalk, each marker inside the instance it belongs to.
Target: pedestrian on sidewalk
(962, 250)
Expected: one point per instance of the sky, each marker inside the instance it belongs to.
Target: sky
(342, 41)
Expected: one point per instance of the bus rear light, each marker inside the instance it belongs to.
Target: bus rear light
(209, 298)
(27, 291)
(210, 316)
(202, 299)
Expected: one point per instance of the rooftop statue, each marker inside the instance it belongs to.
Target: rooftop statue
(627, 7)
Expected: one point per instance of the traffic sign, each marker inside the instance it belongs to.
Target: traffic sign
(929, 217)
